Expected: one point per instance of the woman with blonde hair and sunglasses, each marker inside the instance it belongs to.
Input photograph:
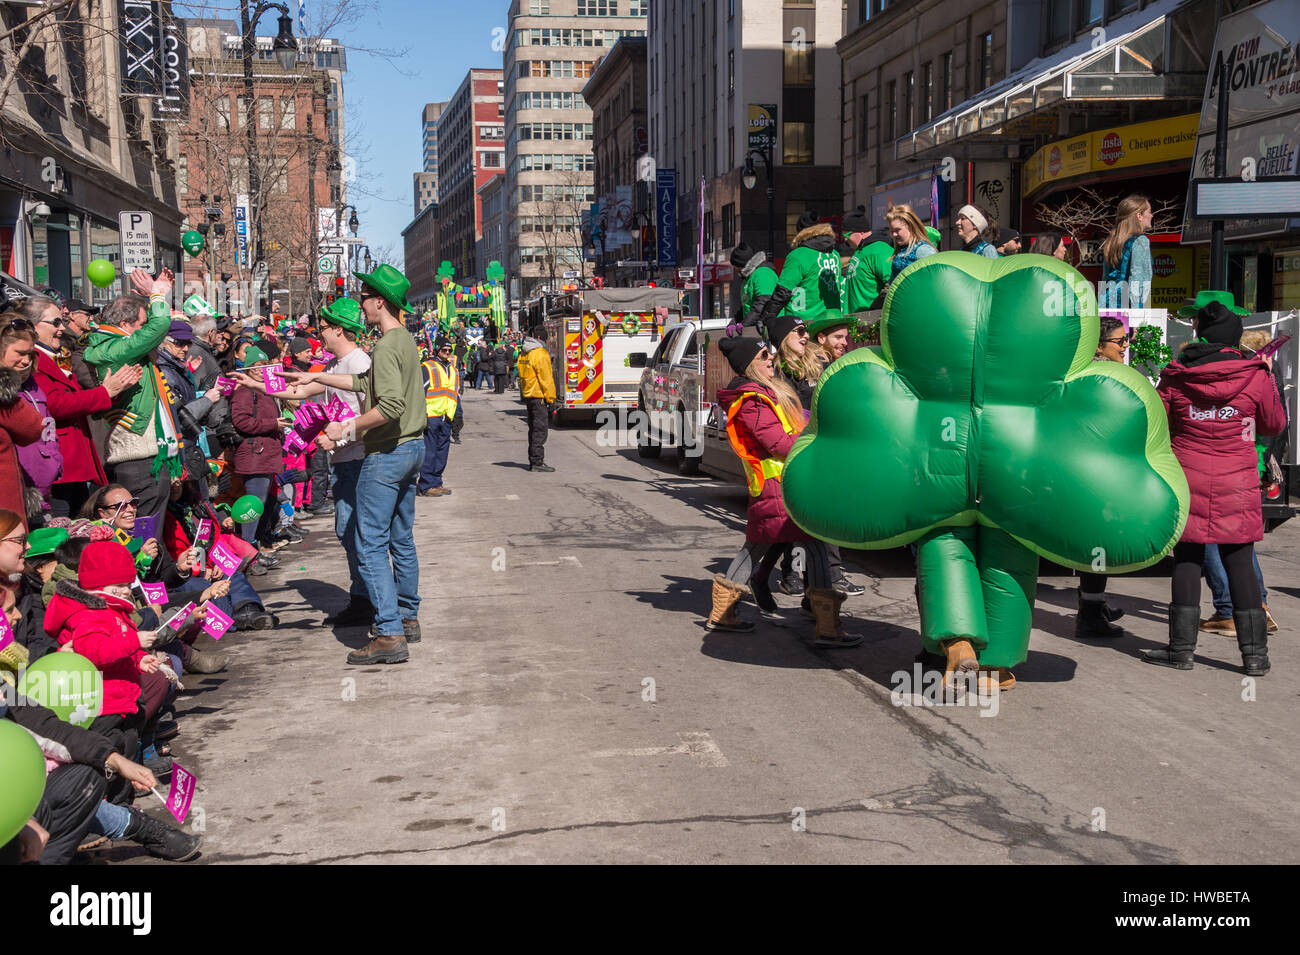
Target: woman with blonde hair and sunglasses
(764, 418)
(909, 236)
(1127, 255)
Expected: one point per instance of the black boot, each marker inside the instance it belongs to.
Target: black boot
(763, 594)
(1183, 625)
(160, 839)
(1092, 621)
(1252, 638)
(791, 583)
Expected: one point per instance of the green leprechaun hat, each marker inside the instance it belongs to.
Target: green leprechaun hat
(389, 283)
(1207, 297)
(197, 305)
(831, 318)
(345, 313)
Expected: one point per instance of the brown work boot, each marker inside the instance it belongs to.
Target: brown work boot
(961, 659)
(410, 628)
(390, 649)
(1272, 624)
(1217, 624)
(726, 595)
(829, 630)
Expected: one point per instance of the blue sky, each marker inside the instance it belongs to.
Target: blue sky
(441, 40)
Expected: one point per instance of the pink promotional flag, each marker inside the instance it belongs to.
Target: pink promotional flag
(310, 420)
(338, 409)
(225, 386)
(181, 793)
(203, 533)
(225, 558)
(274, 381)
(6, 632)
(156, 593)
(217, 622)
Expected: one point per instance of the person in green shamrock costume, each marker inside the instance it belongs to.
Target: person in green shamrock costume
(983, 432)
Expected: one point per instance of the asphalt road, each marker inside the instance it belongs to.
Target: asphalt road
(566, 704)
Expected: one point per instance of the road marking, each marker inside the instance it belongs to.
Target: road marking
(699, 746)
(548, 563)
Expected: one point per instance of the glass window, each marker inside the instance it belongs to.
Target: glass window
(909, 93)
(265, 111)
(797, 143)
(863, 123)
(1090, 11)
(927, 93)
(891, 111)
(1058, 20)
(986, 61)
(798, 63)
(945, 99)
(182, 175)
(288, 113)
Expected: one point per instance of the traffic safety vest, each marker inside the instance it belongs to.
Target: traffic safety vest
(757, 470)
(442, 395)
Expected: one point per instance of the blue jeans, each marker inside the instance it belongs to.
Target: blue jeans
(483, 378)
(1217, 578)
(385, 530)
(111, 820)
(437, 441)
(345, 521)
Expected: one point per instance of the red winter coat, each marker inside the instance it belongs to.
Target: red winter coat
(1211, 405)
(19, 425)
(100, 629)
(761, 433)
(69, 406)
(257, 419)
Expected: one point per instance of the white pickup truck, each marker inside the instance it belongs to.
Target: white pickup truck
(677, 399)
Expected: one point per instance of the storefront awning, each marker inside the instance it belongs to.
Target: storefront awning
(1129, 66)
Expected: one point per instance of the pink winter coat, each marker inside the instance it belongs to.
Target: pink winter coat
(760, 430)
(1211, 406)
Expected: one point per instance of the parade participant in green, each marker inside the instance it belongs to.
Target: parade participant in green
(758, 275)
(812, 269)
(867, 273)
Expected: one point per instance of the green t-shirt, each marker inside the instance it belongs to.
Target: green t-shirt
(814, 280)
(866, 275)
(395, 386)
(762, 281)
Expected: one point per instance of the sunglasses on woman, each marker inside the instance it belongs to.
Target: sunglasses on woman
(132, 502)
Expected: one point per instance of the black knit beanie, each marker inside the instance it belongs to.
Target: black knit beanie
(740, 351)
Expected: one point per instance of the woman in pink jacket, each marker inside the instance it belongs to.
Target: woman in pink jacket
(764, 417)
(1217, 402)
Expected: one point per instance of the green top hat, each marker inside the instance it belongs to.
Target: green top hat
(389, 283)
(197, 305)
(43, 541)
(831, 318)
(345, 313)
(1206, 297)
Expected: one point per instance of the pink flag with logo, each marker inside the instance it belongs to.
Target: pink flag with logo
(225, 386)
(181, 793)
(6, 632)
(155, 593)
(274, 380)
(217, 622)
(310, 420)
(338, 409)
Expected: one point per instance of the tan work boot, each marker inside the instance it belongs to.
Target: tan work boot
(1272, 624)
(961, 660)
(726, 595)
(999, 678)
(389, 649)
(829, 631)
(1223, 625)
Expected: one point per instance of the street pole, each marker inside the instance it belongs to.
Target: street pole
(249, 47)
(311, 217)
(1218, 257)
(771, 200)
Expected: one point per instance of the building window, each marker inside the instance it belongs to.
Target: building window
(223, 115)
(731, 72)
(539, 8)
(891, 111)
(728, 225)
(1090, 12)
(986, 61)
(909, 94)
(288, 113)
(182, 175)
(798, 63)
(797, 143)
(863, 123)
(492, 160)
(265, 112)
(945, 98)
(637, 8)
(927, 93)
(597, 8)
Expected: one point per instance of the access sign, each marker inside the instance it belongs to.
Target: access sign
(135, 231)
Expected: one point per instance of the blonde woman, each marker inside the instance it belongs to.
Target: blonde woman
(1127, 256)
(908, 234)
(764, 417)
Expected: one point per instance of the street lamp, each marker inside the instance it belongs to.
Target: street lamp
(286, 54)
(749, 177)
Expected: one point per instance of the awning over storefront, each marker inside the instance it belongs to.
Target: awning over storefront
(1131, 65)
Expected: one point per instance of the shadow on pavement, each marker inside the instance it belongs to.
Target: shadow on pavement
(509, 464)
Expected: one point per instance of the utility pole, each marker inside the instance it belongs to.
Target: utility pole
(1218, 256)
(312, 241)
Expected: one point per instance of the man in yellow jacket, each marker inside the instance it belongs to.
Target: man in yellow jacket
(537, 385)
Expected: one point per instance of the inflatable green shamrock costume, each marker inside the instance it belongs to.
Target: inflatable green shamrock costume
(983, 431)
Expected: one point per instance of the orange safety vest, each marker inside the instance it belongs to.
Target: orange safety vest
(442, 395)
(758, 470)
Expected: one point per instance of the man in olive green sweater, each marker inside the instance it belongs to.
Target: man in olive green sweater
(392, 429)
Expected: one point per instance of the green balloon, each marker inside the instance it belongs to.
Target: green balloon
(192, 242)
(68, 684)
(23, 767)
(247, 509)
(101, 273)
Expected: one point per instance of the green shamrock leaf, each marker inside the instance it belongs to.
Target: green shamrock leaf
(984, 407)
